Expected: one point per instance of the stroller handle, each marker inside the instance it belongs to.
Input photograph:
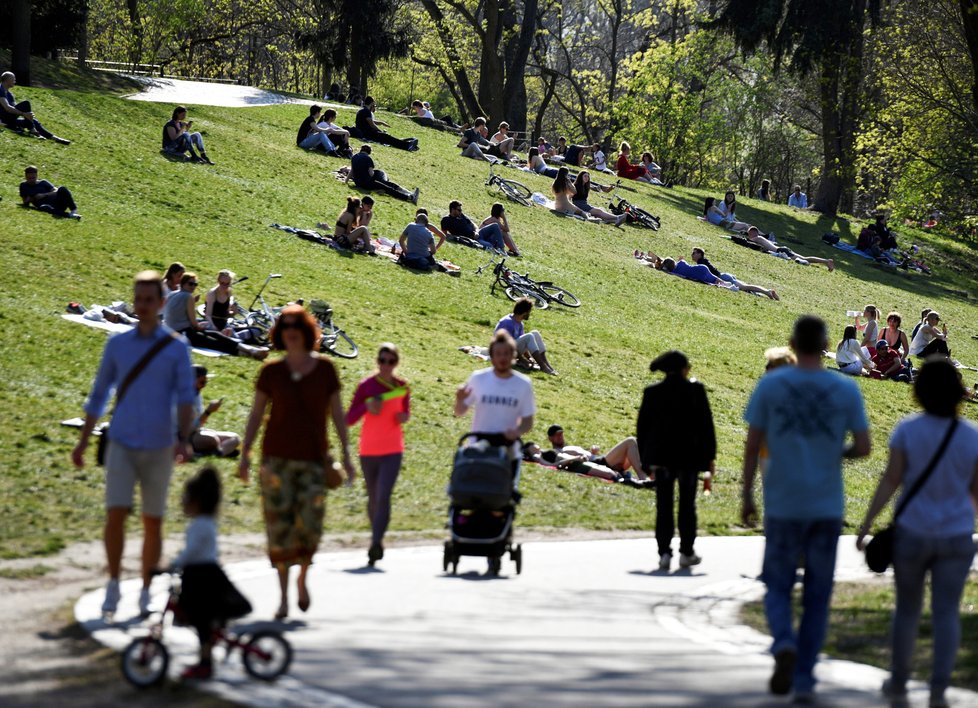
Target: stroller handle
(492, 438)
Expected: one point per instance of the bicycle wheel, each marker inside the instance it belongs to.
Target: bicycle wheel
(559, 295)
(646, 219)
(260, 324)
(514, 190)
(338, 343)
(145, 661)
(267, 655)
(515, 292)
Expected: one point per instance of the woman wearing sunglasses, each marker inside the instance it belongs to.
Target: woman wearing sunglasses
(383, 401)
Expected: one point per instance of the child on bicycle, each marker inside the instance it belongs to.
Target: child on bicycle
(207, 597)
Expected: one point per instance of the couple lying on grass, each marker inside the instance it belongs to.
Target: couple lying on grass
(702, 271)
(613, 465)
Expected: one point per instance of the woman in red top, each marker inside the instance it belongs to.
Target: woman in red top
(386, 401)
(303, 391)
(626, 169)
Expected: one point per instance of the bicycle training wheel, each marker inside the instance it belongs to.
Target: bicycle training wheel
(145, 661)
(559, 295)
(267, 655)
(338, 343)
(515, 292)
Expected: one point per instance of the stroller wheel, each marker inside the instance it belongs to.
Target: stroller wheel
(446, 558)
(516, 555)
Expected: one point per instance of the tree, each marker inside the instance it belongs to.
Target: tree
(20, 28)
(969, 14)
(821, 39)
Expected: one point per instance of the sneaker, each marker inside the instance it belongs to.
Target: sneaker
(46, 208)
(197, 672)
(204, 158)
(61, 141)
(784, 671)
(75, 215)
(687, 561)
(897, 696)
(665, 560)
(112, 595)
(375, 553)
(414, 197)
(144, 600)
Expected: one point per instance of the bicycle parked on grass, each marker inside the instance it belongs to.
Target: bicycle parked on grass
(517, 286)
(514, 190)
(334, 340)
(265, 653)
(636, 215)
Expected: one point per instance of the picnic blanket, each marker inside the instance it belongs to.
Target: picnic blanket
(886, 259)
(482, 353)
(119, 327)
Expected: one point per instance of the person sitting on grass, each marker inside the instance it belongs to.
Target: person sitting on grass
(544, 148)
(171, 279)
(418, 245)
(574, 157)
(435, 231)
(420, 111)
(599, 161)
(563, 191)
(219, 303)
(204, 440)
(312, 137)
(535, 162)
(701, 274)
(43, 195)
(887, 239)
(502, 142)
(365, 176)
(178, 141)
(699, 257)
(456, 223)
(718, 217)
(755, 237)
(582, 190)
(20, 116)
(871, 328)
(888, 364)
(340, 137)
(928, 339)
(849, 354)
(894, 336)
(529, 345)
(367, 125)
(351, 231)
(179, 315)
(494, 231)
(798, 199)
(620, 458)
(624, 167)
(474, 141)
(652, 170)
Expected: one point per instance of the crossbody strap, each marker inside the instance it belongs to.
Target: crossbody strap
(142, 364)
(927, 471)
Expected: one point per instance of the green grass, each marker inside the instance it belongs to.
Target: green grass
(25, 572)
(860, 622)
(141, 210)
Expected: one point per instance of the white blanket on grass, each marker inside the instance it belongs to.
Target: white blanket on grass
(119, 327)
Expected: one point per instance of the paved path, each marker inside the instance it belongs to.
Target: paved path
(586, 624)
(203, 93)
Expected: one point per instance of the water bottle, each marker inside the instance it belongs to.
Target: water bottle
(853, 313)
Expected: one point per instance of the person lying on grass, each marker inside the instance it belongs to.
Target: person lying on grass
(43, 195)
(366, 176)
(418, 245)
(700, 273)
(754, 236)
(569, 462)
(351, 229)
(620, 458)
(529, 345)
(699, 257)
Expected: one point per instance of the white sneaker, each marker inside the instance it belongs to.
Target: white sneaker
(665, 560)
(112, 595)
(690, 560)
(144, 600)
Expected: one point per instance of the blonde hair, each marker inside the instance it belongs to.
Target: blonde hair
(779, 356)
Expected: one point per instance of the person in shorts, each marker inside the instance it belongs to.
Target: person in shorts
(141, 446)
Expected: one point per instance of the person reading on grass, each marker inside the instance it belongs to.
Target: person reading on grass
(755, 237)
(582, 190)
(204, 440)
(311, 136)
(366, 176)
(620, 458)
(43, 195)
(701, 274)
(178, 141)
(529, 345)
(418, 245)
(20, 116)
(368, 124)
(351, 229)
(699, 257)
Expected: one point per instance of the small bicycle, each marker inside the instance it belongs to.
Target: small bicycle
(519, 193)
(636, 215)
(517, 286)
(265, 653)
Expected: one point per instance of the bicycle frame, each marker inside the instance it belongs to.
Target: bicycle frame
(260, 298)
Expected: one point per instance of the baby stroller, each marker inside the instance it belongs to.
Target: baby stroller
(483, 503)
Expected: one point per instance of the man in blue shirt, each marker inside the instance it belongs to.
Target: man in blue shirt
(141, 446)
(798, 198)
(418, 245)
(528, 344)
(365, 176)
(802, 414)
(46, 197)
(20, 116)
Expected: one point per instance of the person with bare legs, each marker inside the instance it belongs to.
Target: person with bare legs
(528, 344)
(754, 236)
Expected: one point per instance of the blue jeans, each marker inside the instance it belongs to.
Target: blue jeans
(314, 140)
(491, 236)
(949, 561)
(186, 143)
(810, 544)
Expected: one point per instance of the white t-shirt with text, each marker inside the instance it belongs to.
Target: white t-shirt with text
(500, 403)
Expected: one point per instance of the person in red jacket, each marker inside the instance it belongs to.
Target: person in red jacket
(384, 403)
(626, 169)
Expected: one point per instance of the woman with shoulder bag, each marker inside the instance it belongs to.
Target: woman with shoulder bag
(296, 467)
(933, 524)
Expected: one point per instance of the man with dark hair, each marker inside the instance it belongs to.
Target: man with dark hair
(620, 458)
(311, 136)
(364, 176)
(149, 368)
(803, 415)
(20, 116)
(528, 344)
(46, 197)
(457, 223)
(367, 125)
(339, 136)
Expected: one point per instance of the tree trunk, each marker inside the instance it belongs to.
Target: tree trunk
(136, 24)
(514, 93)
(448, 42)
(83, 39)
(548, 95)
(20, 29)
(492, 71)
(830, 185)
(969, 14)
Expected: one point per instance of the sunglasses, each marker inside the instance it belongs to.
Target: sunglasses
(289, 324)
(386, 360)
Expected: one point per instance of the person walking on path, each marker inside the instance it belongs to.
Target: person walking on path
(802, 414)
(676, 441)
(303, 391)
(933, 525)
(383, 401)
(150, 370)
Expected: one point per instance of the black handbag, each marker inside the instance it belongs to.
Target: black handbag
(103, 438)
(879, 551)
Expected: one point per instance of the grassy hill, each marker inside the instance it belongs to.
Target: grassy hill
(143, 211)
